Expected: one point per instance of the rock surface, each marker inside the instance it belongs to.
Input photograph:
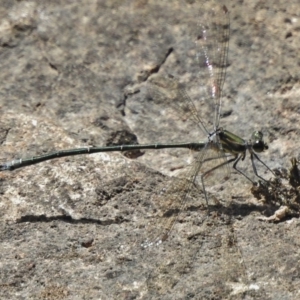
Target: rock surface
(72, 75)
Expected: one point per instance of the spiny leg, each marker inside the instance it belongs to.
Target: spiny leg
(237, 159)
(254, 168)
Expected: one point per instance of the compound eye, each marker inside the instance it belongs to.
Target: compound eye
(259, 146)
(257, 136)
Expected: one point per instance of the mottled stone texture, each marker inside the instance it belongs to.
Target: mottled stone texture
(72, 75)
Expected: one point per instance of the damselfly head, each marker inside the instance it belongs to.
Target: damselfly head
(258, 144)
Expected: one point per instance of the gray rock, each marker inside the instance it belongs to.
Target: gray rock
(73, 75)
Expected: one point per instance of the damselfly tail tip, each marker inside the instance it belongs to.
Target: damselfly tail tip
(4, 167)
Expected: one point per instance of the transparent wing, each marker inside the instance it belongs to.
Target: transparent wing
(211, 53)
(212, 50)
(211, 164)
(171, 91)
(214, 166)
(167, 204)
